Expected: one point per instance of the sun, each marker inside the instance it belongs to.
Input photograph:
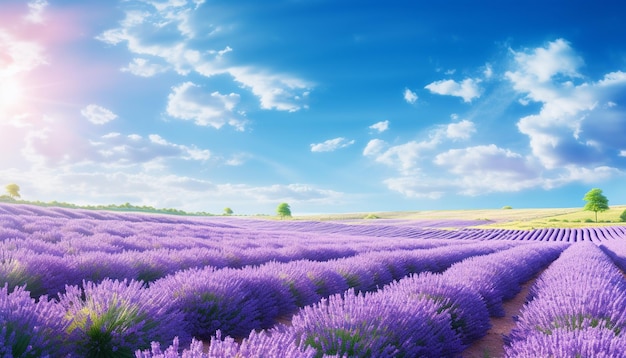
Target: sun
(11, 93)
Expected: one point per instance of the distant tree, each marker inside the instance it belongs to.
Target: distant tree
(283, 210)
(228, 211)
(622, 216)
(13, 190)
(507, 207)
(596, 201)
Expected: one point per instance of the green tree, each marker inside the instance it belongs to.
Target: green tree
(228, 211)
(622, 216)
(13, 190)
(596, 201)
(283, 210)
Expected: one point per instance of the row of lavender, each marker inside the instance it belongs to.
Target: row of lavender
(441, 230)
(113, 318)
(68, 228)
(577, 308)
(87, 247)
(47, 248)
(425, 315)
(49, 274)
(31, 219)
(61, 235)
(76, 245)
(594, 234)
(28, 219)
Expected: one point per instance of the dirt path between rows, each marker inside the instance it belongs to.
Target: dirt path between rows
(492, 344)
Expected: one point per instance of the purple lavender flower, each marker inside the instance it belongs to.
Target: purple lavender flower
(211, 300)
(294, 275)
(498, 276)
(114, 318)
(195, 350)
(29, 329)
(50, 274)
(14, 270)
(280, 341)
(375, 325)
(468, 313)
(597, 342)
(96, 266)
(582, 294)
(326, 280)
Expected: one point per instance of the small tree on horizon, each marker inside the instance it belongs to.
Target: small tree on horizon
(228, 211)
(596, 201)
(13, 190)
(283, 210)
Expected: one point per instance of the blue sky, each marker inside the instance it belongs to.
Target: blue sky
(331, 106)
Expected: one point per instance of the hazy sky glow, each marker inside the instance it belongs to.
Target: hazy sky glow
(350, 106)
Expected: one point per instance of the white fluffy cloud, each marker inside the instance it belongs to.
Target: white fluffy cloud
(374, 147)
(331, 145)
(144, 68)
(471, 171)
(97, 114)
(179, 21)
(461, 130)
(133, 149)
(410, 96)
(275, 91)
(468, 89)
(580, 122)
(487, 168)
(543, 63)
(47, 143)
(583, 175)
(18, 56)
(380, 126)
(190, 102)
(403, 157)
(406, 158)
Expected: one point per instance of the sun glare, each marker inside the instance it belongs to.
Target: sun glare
(11, 93)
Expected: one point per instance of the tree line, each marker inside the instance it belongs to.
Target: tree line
(596, 202)
(13, 193)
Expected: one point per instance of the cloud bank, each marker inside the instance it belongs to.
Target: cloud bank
(575, 136)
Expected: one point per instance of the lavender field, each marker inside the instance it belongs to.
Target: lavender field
(80, 283)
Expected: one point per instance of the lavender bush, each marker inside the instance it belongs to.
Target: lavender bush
(587, 341)
(211, 300)
(29, 328)
(375, 325)
(114, 318)
(498, 276)
(469, 317)
(581, 293)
